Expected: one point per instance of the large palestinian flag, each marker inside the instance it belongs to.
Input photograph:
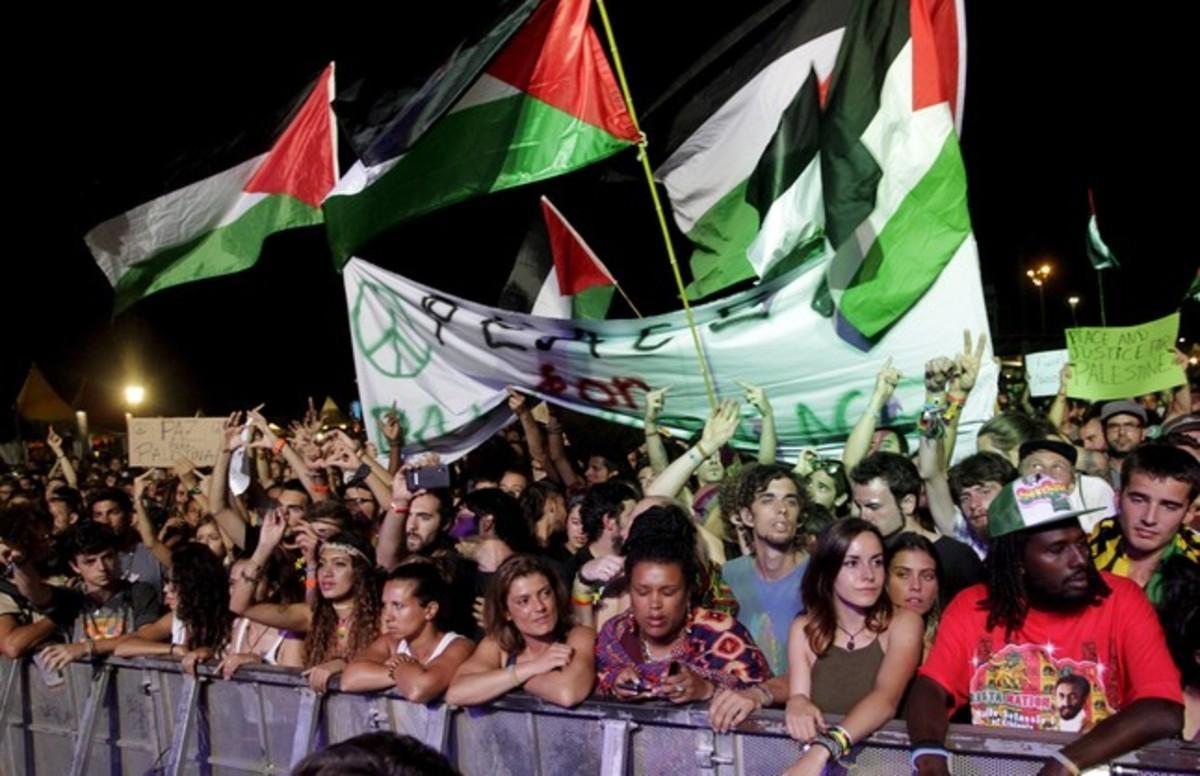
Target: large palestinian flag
(546, 105)
(832, 133)
(216, 226)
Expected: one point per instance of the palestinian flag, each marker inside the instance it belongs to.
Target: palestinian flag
(546, 105)
(743, 168)
(217, 225)
(895, 187)
(556, 274)
(1098, 251)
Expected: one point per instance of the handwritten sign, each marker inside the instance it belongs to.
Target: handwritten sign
(1043, 369)
(163, 441)
(1119, 362)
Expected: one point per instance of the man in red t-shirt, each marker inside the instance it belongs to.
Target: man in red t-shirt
(1045, 620)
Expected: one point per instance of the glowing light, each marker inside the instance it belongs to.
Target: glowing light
(134, 395)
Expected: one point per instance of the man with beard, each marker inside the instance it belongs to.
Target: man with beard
(1070, 698)
(1124, 429)
(767, 582)
(1043, 611)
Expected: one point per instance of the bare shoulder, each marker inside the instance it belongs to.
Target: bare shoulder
(581, 634)
(906, 627)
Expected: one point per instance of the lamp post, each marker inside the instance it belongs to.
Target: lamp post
(1038, 277)
(1073, 301)
(134, 395)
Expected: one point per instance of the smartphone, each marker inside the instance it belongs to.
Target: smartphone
(428, 478)
(356, 409)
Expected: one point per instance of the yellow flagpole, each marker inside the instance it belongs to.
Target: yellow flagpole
(658, 208)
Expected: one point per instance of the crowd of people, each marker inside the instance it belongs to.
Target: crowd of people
(1047, 581)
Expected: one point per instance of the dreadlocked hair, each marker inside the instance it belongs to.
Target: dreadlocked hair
(202, 589)
(1007, 601)
(320, 643)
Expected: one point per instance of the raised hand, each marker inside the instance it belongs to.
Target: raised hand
(655, 400)
(720, 428)
(938, 372)
(969, 361)
(756, 397)
(273, 528)
(886, 381)
(54, 442)
(516, 401)
(389, 425)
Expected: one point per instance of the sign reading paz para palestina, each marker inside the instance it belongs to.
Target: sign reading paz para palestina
(1119, 362)
(163, 441)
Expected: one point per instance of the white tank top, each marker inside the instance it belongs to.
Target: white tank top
(447, 640)
(270, 657)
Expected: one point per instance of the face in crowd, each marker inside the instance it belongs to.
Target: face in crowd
(861, 579)
(774, 515)
(912, 580)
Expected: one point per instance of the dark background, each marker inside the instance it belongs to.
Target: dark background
(119, 110)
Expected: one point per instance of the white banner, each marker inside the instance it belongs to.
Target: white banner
(445, 361)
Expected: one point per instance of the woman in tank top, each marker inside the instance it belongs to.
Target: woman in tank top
(852, 653)
(415, 653)
(253, 642)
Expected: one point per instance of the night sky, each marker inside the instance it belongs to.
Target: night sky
(118, 112)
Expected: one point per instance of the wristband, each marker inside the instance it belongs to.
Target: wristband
(931, 751)
(703, 455)
(828, 744)
(768, 698)
(1067, 762)
(399, 509)
(280, 443)
(516, 680)
(91, 648)
(315, 488)
(841, 737)
(310, 583)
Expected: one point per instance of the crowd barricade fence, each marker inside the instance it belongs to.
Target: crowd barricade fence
(142, 716)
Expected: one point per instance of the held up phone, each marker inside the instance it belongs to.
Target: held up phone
(428, 478)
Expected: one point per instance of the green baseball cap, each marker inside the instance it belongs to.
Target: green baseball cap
(1028, 502)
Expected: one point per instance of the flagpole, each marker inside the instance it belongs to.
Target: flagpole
(628, 301)
(1100, 285)
(658, 208)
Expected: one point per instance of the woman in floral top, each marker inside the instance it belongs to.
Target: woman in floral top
(664, 645)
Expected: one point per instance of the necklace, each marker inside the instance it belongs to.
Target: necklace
(850, 640)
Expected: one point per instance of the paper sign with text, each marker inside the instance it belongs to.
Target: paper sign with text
(1043, 371)
(163, 441)
(1120, 362)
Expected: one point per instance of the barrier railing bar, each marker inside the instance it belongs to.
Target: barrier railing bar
(185, 715)
(614, 747)
(306, 725)
(87, 723)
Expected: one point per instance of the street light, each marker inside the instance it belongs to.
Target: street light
(134, 394)
(1038, 278)
(1074, 302)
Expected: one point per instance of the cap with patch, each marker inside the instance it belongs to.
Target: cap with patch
(1123, 407)
(1065, 449)
(1028, 502)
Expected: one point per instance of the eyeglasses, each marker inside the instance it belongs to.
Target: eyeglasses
(359, 501)
(827, 465)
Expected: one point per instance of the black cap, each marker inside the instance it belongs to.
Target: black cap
(1065, 449)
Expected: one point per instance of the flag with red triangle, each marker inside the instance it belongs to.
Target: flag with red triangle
(546, 105)
(217, 225)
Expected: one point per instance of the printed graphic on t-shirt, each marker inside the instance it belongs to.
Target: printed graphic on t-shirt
(1027, 686)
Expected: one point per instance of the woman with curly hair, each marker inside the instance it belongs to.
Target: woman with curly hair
(343, 618)
(666, 645)
(853, 653)
(198, 626)
(530, 641)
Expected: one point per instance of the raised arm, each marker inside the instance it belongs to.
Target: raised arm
(931, 463)
(558, 454)
(858, 444)
(270, 440)
(393, 432)
(768, 442)
(54, 442)
(966, 372)
(141, 520)
(534, 443)
(656, 451)
(390, 548)
(718, 430)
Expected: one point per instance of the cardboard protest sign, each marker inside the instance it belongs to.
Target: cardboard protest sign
(163, 441)
(1043, 369)
(1119, 362)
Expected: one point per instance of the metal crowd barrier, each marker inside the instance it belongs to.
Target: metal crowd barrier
(143, 716)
